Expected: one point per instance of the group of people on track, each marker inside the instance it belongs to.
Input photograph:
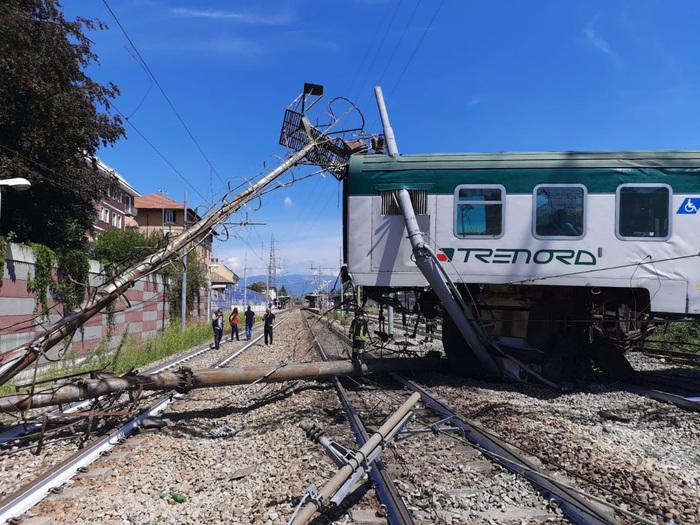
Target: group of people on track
(218, 325)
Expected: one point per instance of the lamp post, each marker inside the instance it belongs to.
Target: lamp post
(18, 184)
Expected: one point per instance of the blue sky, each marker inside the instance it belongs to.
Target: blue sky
(457, 75)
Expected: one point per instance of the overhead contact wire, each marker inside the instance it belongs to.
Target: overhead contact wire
(165, 96)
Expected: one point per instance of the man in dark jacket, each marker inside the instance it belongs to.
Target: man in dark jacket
(218, 326)
(268, 319)
(249, 321)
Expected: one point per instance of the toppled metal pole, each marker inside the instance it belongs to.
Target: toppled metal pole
(370, 449)
(186, 379)
(430, 268)
(11, 363)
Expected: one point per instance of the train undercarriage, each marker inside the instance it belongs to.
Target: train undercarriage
(563, 333)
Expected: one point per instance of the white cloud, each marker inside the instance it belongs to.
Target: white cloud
(234, 263)
(225, 46)
(279, 19)
(474, 101)
(288, 203)
(298, 254)
(601, 44)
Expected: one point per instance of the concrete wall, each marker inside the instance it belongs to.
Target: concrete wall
(147, 313)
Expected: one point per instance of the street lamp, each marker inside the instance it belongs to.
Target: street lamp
(18, 184)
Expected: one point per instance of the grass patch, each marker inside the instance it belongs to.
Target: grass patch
(134, 354)
(672, 336)
(58, 371)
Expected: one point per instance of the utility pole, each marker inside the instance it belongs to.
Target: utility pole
(271, 270)
(183, 288)
(245, 280)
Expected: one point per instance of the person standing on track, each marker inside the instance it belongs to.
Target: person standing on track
(233, 321)
(429, 330)
(268, 319)
(359, 334)
(249, 320)
(218, 326)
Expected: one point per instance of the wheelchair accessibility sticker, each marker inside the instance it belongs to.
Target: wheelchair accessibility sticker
(690, 206)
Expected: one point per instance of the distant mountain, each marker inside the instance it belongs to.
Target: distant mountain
(295, 284)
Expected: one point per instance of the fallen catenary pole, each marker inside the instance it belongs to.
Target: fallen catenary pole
(13, 362)
(186, 379)
(310, 145)
(377, 440)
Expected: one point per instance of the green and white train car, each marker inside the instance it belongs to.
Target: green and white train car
(561, 250)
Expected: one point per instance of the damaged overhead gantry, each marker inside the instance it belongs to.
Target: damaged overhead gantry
(318, 145)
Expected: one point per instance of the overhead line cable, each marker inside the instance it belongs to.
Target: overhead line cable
(165, 96)
(415, 50)
(159, 153)
(356, 76)
(54, 181)
(381, 44)
(395, 50)
(398, 42)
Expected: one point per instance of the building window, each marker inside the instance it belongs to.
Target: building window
(105, 215)
(560, 211)
(169, 217)
(479, 211)
(116, 220)
(644, 211)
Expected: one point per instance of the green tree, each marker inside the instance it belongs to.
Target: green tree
(259, 287)
(119, 249)
(283, 292)
(196, 281)
(53, 118)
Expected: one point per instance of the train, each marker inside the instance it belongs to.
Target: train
(568, 259)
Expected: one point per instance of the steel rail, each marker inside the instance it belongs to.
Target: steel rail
(575, 507)
(32, 493)
(682, 392)
(437, 334)
(35, 422)
(388, 494)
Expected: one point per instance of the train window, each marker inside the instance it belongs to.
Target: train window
(479, 211)
(559, 211)
(644, 212)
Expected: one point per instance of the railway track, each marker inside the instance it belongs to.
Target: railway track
(44, 421)
(679, 391)
(437, 476)
(437, 418)
(397, 512)
(40, 487)
(682, 392)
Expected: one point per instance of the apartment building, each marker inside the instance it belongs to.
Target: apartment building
(117, 209)
(157, 213)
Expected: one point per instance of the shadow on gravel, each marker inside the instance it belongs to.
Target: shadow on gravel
(435, 379)
(189, 422)
(687, 378)
(348, 503)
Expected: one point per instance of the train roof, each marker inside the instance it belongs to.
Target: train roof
(553, 160)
